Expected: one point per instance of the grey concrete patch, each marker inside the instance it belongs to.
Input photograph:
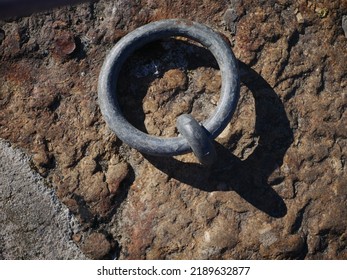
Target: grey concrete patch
(34, 224)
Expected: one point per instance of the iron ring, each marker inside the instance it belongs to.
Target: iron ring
(107, 97)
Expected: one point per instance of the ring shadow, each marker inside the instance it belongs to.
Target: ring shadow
(249, 177)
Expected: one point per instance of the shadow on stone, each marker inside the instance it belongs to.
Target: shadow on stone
(249, 177)
(246, 177)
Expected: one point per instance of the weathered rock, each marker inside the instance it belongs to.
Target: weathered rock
(230, 19)
(96, 246)
(64, 44)
(34, 224)
(278, 189)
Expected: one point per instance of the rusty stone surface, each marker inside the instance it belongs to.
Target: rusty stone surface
(103, 248)
(278, 190)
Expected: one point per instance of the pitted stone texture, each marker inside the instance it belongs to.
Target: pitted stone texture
(34, 224)
(279, 187)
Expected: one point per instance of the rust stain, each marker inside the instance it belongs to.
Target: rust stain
(64, 44)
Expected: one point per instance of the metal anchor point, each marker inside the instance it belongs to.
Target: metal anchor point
(194, 136)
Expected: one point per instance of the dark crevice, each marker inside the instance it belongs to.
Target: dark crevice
(299, 218)
(292, 41)
(55, 103)
(84, 211)
(23, 36)
(303, 252)
(79, 53)
(291, 93)
(321, 86)
(323, 241)
(114, 252)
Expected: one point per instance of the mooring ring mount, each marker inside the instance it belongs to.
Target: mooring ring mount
(210, 128)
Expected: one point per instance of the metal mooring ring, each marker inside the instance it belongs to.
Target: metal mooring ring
(192, 137)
